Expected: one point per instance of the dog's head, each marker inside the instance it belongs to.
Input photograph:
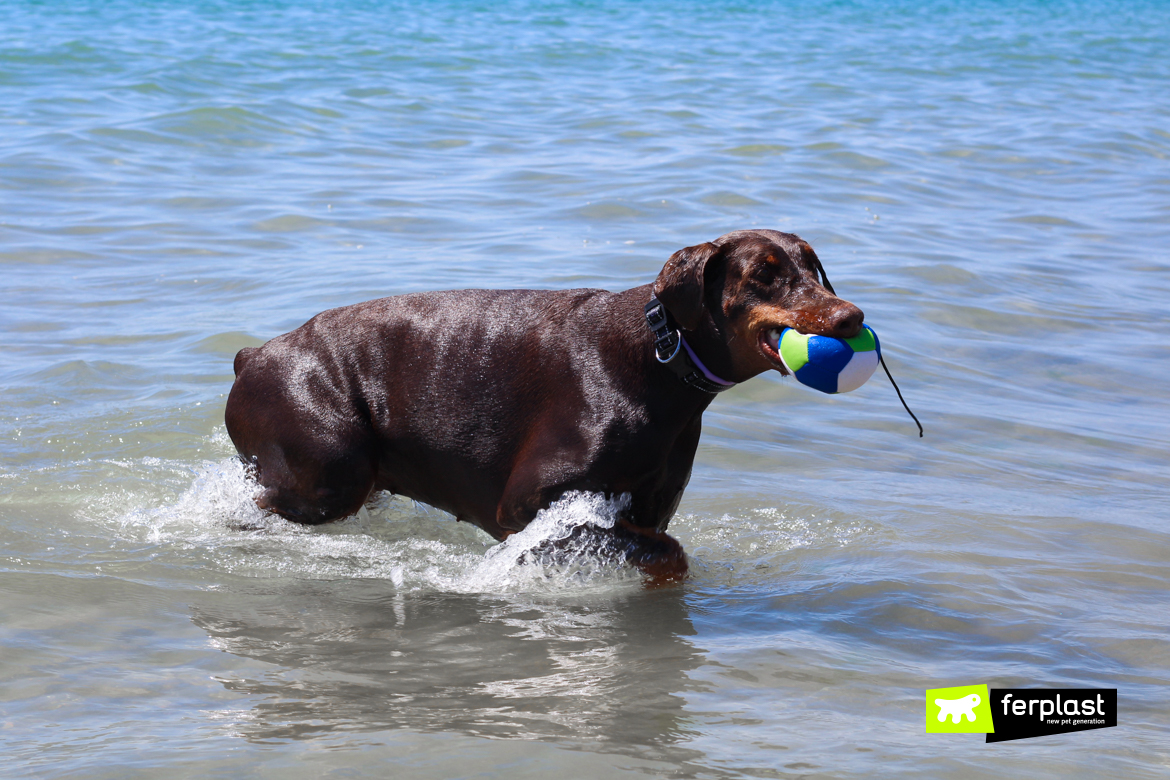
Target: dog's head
(736, 294)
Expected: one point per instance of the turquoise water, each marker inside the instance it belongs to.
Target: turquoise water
(988, 181)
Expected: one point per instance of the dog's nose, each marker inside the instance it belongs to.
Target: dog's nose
(845, 321)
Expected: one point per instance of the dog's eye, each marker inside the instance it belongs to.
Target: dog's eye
(764, 274)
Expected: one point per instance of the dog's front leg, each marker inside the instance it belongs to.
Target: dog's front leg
(657, 555)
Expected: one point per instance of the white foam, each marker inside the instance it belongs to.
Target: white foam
(215, 522)
(203, 518)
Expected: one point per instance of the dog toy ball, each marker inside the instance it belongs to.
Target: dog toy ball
(828, 364)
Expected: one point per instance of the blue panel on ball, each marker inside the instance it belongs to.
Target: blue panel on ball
(817, 378)
(831, 353)
(826, 357)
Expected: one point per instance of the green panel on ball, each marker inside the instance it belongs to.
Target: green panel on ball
(863, 341)
(794, 349)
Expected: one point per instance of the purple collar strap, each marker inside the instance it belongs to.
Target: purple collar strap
(699, 364)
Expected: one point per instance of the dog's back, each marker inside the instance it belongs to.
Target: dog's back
(430, 395)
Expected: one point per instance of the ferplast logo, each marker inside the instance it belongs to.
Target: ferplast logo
(1005, 714)
(962, 710)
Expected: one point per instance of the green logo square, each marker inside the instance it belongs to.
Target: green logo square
(962, 710)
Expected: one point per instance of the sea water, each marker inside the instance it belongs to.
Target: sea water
(988, 181)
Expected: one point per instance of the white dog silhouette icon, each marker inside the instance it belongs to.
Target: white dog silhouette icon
(957, 708)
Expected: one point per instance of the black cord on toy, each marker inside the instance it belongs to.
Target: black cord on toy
(899, 392)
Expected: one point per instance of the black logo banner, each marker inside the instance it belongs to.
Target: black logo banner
(1021, 713)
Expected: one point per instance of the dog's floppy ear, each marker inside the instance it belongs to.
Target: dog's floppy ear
(680, 284)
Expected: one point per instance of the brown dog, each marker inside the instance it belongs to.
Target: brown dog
(491, 404)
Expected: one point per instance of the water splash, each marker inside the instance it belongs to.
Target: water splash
(552, 549)
(410, 545)
(205, 518)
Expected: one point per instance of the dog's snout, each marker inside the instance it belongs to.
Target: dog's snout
(845, 322)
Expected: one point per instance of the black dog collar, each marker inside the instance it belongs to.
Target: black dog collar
(673, 351)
